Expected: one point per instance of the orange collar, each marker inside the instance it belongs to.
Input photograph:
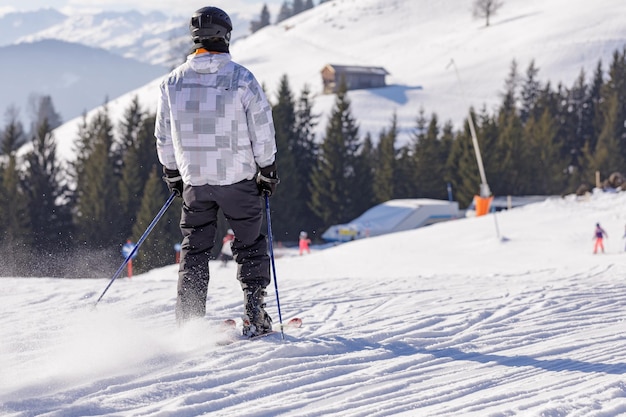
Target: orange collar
(204, 51)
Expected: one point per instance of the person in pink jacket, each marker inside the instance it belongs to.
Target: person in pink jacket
(599, 234)
(304, 243)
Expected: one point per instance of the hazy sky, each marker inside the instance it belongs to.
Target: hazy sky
(177, 7)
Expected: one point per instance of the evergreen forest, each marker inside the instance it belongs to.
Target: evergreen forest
(71, 220)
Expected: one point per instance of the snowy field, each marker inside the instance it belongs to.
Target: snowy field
(493, 316)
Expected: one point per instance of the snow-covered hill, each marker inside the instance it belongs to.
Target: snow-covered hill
(440, 58)
(449, 320)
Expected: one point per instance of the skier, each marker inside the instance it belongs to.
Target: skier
(127, 249)
(226, 254)
(304, 243)
(216, 141)
(599, 234)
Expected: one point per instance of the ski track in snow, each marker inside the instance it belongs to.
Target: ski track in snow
(546, 340)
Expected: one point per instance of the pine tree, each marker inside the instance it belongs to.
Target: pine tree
(96, 194)
(297, 7)
(530, 93)
(50, 216)
(334, 177)
(42, 108)
(385, 163)
(510, 150)
(134, 173)
(130, 124)
(610, 155)
(13, 134)
(364, 170)
(546, 168)
(264, 20)
(570, 131)
(513, 153)
(403, 176)
(582, 167)
(131, 189)
(592, 116)
(15, 230)
(418, 135)
(14, 220)
(286, 225)
(447, 140)
(305, 151)
(285, 12)
(511, 84)
(607, 157)
(430, 162)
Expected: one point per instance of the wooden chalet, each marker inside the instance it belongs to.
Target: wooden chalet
(356, 77)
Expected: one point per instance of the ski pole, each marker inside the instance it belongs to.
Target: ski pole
(271, 247)
(139, 242)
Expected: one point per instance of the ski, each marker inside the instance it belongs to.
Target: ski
(293, 323)
(230, 324)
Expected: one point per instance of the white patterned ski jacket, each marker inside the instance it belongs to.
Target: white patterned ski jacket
(214, 123)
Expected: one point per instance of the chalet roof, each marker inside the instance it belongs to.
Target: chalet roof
(356, 69)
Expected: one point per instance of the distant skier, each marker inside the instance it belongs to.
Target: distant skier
(127, 249)
(226, 254)
(599, 234)
(304, 243)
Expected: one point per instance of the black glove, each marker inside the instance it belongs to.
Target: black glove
(174, 181)
(267, 179)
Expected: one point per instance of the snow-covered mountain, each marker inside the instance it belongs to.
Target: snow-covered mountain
(15, 25)
(77, 77)
(153, 38)
(77, 69)
(439, 57)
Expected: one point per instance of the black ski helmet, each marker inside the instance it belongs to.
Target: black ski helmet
(210, 24)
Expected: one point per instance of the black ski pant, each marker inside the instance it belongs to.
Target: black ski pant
(243, 208)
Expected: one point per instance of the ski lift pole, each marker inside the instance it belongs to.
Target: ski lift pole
(139, 242)
(484, 187)
(485, 192)
(271, 248)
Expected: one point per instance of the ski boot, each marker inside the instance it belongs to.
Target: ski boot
(256, 321)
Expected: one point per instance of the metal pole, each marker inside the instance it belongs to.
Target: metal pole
(141, 239)
(484, 187)
(271, 248)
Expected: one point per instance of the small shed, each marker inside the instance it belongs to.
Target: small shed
(355, 76)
